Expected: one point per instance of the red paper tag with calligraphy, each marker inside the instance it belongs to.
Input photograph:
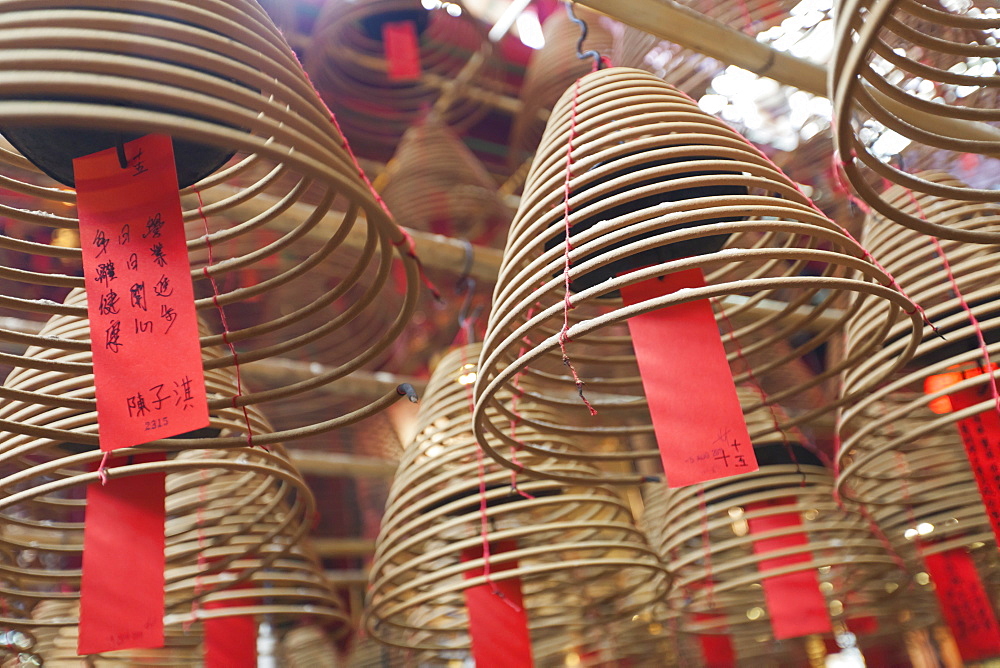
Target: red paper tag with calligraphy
(140, 299)
(696, 413)
(965, 604)
(980, 435)
(794, 602)
(498, 624)
(402, 50)
(122, 581)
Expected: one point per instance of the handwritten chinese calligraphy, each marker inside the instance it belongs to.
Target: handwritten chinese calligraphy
(139, 295)
(964, 603)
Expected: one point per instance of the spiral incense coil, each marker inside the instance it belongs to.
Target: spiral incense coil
(707, 545)
(436, 184)
(927, 74)
(901, 443)
(626, 162)
(308, 646)
(223, 506)
(575, 550)
(219, 78)
(347, 62)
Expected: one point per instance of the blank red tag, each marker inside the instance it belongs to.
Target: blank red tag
(140, 300)
(230, 642)
(402, 50)
(122, 584)
(696, 413)
(716, 649)
(965, 604)
(498, 625)
(795, 604)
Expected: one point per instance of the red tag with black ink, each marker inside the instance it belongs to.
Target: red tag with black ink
(794, 601)
(498, 623)
(980, 434)
(122, 581)
(402, 50)
(140, 299)
(965, 604)
(689, 386)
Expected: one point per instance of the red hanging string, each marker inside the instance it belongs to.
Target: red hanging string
(567, 304)
(222, 318)
(707, 547)
(484, 523)
(411, 250)
(980, 337)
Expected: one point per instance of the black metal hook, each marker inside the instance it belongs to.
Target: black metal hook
(120, 147)
(580, 53)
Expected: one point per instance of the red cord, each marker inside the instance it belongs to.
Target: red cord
(225, 324)
(567, 305)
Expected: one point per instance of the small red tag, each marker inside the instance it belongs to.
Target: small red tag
(402, 50)
(981, 437)
(717, 650)
(140, 299)
(965, 604)
(122, 583)
(795, 604)
(230, 642)
(498, 625)
(689, 386)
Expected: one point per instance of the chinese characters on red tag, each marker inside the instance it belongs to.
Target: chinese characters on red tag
(140, 300)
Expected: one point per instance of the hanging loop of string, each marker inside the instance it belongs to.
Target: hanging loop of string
(580, 53)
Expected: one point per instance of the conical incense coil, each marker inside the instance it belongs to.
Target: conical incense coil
(914, 80)
(902, 439)
(236, 502)
(217, 77)
(347, 62)
(436, 184)
(572, 548)
(708, 545)
(648, 185)
(308, 646)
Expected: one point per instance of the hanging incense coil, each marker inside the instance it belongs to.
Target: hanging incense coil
(902, 439)
(217, 75)
(308, 646)
(436, 184)
(347, 62)
(575, 550)
(646, 189)
(243, 505)
(707, 545)
(920, 75)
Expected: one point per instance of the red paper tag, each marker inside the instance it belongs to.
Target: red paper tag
(140, 300)
(402, 50)
(230, 642)
(965, 604)
(981, 437)
(122, 583)
(696, 413)
(795, 604)
(498, 626)
(717, 650)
